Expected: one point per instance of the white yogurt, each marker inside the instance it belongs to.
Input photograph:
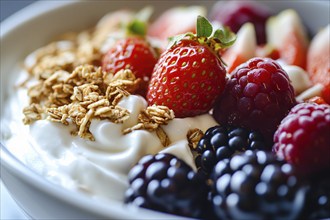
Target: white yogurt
(98, 167)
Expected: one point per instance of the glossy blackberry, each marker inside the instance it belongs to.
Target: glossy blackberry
(318, 203)
(256, 185)
(167, 184)
(257, 96)
(221, 142)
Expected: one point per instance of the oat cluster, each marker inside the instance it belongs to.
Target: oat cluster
(78, 97)
(151, 119)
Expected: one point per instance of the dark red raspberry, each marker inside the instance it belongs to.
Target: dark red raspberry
(303, 138)
(236, 13)
(258, 96)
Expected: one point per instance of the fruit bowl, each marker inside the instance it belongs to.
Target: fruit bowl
(36, 26)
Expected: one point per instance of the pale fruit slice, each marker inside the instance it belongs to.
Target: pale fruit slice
(318, 61)
(299, 78)
(243, 49)
(287, 34)
(174, 21)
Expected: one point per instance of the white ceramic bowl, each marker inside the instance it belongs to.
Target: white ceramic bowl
(32, 28)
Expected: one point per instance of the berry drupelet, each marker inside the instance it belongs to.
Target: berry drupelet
(165, 183)
(220, 142)
(256, 185)
(318, 203)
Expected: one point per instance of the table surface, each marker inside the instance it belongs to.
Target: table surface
(9, 209)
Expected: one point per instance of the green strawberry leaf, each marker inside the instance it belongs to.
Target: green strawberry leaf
(225, 36)
(204, 27)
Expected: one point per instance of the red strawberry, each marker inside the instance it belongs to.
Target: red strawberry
(303, 138)
(189, 75)
(133, 53)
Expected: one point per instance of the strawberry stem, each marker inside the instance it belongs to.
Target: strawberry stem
(219, 39)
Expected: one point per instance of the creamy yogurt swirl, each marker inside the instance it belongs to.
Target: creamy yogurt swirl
(100, 167)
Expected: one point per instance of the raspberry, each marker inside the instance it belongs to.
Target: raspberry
(221, 142)
(256, 185)
(166, 183)
(303, 138)
(257, 97)
(236, 13)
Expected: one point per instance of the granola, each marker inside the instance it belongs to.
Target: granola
(80, 97)
(72, 88)
(151, 119)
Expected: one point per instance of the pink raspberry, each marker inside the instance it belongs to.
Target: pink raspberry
(303, 137)
(257, 96)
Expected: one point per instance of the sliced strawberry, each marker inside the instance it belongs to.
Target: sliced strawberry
(287, 34)
(189, 75)
(326, 93)
(132, 53)
(174, 21)
(243, 49)
(318, 61)
(267, 50)
(317, 99)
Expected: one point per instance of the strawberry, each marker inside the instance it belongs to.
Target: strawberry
(317, 99)
(291, 42)
(132, 53)
(243, 49)
(318, 65)
(190, 75)
(174, 21)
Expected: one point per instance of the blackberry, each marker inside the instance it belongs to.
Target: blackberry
(165, 183)
(318, 203)
(256, 185)
(221, 142)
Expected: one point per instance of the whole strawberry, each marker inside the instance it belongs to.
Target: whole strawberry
(303, 138)
(190, 75)
(133, 53)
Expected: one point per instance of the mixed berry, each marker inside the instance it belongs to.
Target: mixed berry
(219, 143)
(165, 183)
(269, 157)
